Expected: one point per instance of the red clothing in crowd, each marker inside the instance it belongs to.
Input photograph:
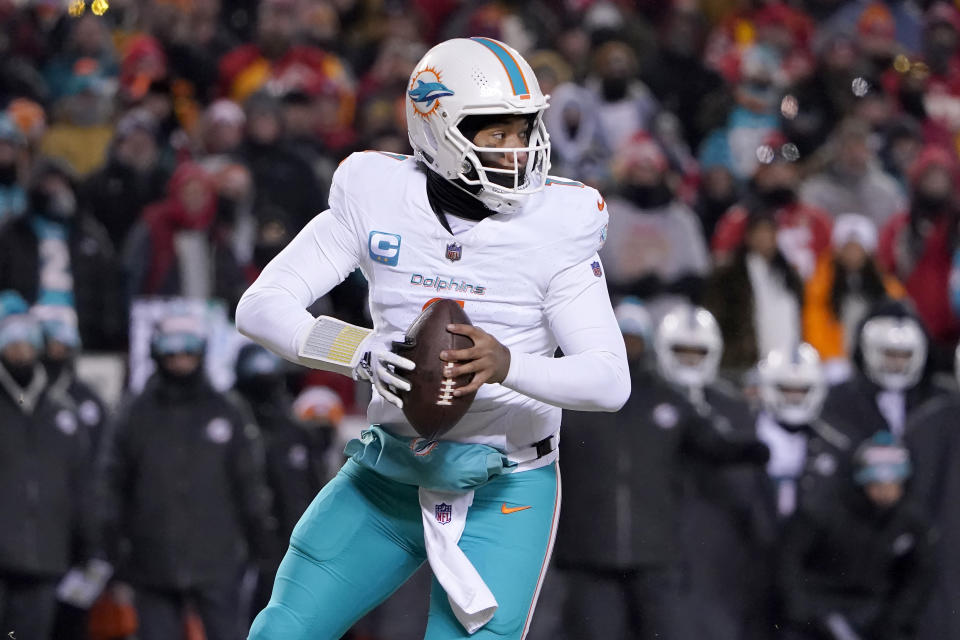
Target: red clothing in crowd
(803, 234)
(927, 277)
(245, 70)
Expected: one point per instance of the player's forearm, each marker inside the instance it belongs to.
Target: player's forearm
(273, 311)
(590, 381)
(271, 316)
(593, 375)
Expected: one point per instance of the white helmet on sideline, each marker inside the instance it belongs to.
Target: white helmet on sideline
(688, 345)
(894, 351)
(477, 77)
(792, 384)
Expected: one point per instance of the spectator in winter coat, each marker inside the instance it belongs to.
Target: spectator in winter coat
(57, 256)
(275, 58)
(183, 499)
(757, 298)
(173, 249)
(846, 284)
(624, 105)
(655, 249)
(618, 538)
(892, 376)
(803, 231)
(131, 179)
(853, 179)
(44, 479)
(281, 177)
(917, 247)
(861, 565)
(753, 119)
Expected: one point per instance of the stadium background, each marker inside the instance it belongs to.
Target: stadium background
(198, 136)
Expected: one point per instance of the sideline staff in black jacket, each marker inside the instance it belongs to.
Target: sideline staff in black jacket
(43, 475)
(618, 539)
(184, 490)
(861, 565)
(933, 437)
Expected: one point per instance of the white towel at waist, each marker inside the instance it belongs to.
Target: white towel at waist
(444, 517)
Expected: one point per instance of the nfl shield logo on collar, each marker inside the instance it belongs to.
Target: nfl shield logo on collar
(597, 271)
(454, 251)
(444, 513)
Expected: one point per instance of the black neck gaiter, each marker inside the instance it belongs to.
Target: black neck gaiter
(447, 198)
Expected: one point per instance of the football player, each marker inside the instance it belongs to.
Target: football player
(472, 216)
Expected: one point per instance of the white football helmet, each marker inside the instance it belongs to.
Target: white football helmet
(894, 351)
(477, 76)
(792, 384)
(688, 345)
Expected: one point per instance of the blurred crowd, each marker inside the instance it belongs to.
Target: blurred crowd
(783, 248)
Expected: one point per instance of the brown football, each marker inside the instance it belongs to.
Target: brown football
(430, 405)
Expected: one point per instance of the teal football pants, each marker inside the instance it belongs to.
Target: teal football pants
(362, 537)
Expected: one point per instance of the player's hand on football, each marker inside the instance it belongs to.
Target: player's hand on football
(487, 359)
(379, 367)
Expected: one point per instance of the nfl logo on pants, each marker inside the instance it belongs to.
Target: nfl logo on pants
(444, 512)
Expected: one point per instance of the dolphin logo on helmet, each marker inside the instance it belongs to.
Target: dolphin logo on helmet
(428, 91)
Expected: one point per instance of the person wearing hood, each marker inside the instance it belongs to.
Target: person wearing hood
(655, 250)
(56, 255)
(860, 565)
(618, 540)
(845, 286)
(44, 479)
(891, 378)
(853, 179)
(131, 179)
(175, 249)
(183, 501)
(917, 246)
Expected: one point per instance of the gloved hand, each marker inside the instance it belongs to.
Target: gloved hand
(379, 366)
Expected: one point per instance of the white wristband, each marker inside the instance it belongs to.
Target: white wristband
(333, 345)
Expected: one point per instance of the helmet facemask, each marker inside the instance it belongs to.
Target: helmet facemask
(688, 347)
(793, 387)
(894, 352)
(530, 163)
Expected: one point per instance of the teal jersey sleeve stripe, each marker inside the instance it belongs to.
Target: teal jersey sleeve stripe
(566, 183)
(517, 81)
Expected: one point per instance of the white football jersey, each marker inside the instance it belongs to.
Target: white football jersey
(532, 279)
(502, 269)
